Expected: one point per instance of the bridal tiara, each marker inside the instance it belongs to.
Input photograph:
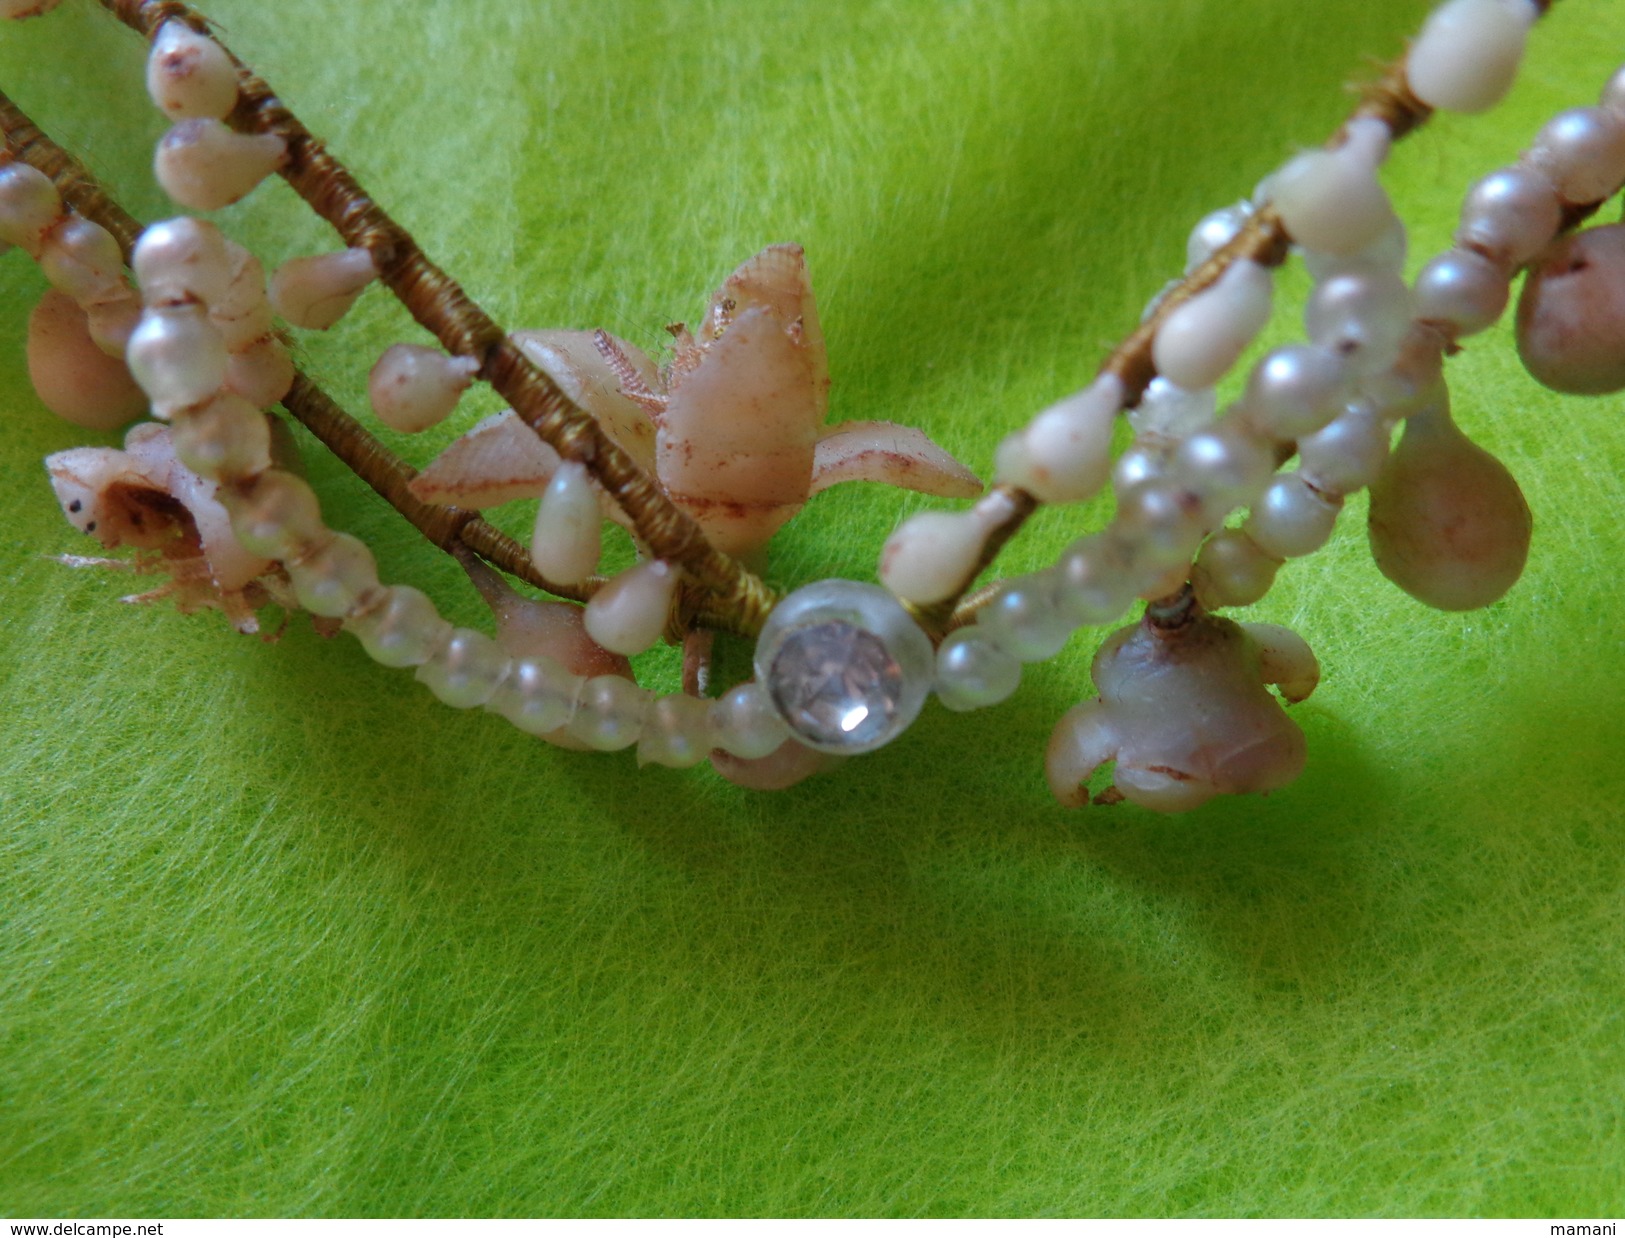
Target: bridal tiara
(702, 458)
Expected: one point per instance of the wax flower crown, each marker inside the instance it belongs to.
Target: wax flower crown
(701, 459)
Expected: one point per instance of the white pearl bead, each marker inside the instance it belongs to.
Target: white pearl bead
(401, 627)
(1361, 317)
(83, 260)
(1467, 55)
(1348, 454)
(177, 356)
(1291, 519)
(204, 166)
(1066, 449)
(261, 372)
(1225, 467)
(74, 378)
(413, 388)
(333, 576)
(1024, 619)
(1613, 92)
(745, 723)
(1094, 583)
(677, 732)
(931, 556)
(1214, 231)
(242, 312)
(1163, 522)
(1171, 411)
(1509, 216)
(1331, 200)
(1293, 391)
(629, 613)
(466, 671)
(538, 696)
(1385, 256)
(276, 516)
(316, 292)
(1141, 461)
(29, 206)
(111, 324)
(973, 672)
(1571, 315)
(189, 74)
(227, 438)
(1462, 290)
(182, 259)
(609, 713)
(567, 538)
(1582, 152)
(1199, 342)
(1232, 570)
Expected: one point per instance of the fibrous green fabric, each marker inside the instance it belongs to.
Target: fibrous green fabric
(279, 934)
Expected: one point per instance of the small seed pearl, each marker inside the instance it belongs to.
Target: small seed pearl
(29, 206)
(1024, 619)
(1293, 391)
(1582, 153)
(677, 732)
(1361, 318)
(745, 723)
(1162, 520)
(1214, 231)
(1462, 289)
(538, 696)
(1225, 467)
(177, 356)
(277, 516)
(1509, 216)
(1291, 519)
(1232, 570)
(973, 672)
(83, 260)
(609, 713)
(1348, 454)
(333, 576)
(1096, 580)
(466, 671)
(182, 259)
(226, 438)
(401, 629)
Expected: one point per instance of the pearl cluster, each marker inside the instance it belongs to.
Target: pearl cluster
(1372, 358)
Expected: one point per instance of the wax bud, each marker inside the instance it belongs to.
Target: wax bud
(1447, 523)
(566, 542)
(629, 613)
(189, 74)
(204, 166)
(316, 292)
(413, 388)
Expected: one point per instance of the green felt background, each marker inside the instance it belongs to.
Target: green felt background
(278, 934)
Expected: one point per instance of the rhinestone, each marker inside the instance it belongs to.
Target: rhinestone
(845, 666)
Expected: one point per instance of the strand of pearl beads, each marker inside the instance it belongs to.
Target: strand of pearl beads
(1373, 350)
(178, 357)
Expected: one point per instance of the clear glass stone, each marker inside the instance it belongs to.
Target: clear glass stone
(845, 666)
(837, 685)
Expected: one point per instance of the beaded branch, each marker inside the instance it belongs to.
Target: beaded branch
(702, 459)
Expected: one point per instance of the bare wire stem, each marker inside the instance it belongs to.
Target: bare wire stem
(440, 305)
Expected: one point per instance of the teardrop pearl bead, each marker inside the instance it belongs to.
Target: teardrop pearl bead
(629, 613)
(1571, 314)
(413, 388)
(204, 166)
(1199, 342)
(1331, 201)
(1448, 524)
(1468, 53)
(566, 542)
(316, 292)
(189, 74)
